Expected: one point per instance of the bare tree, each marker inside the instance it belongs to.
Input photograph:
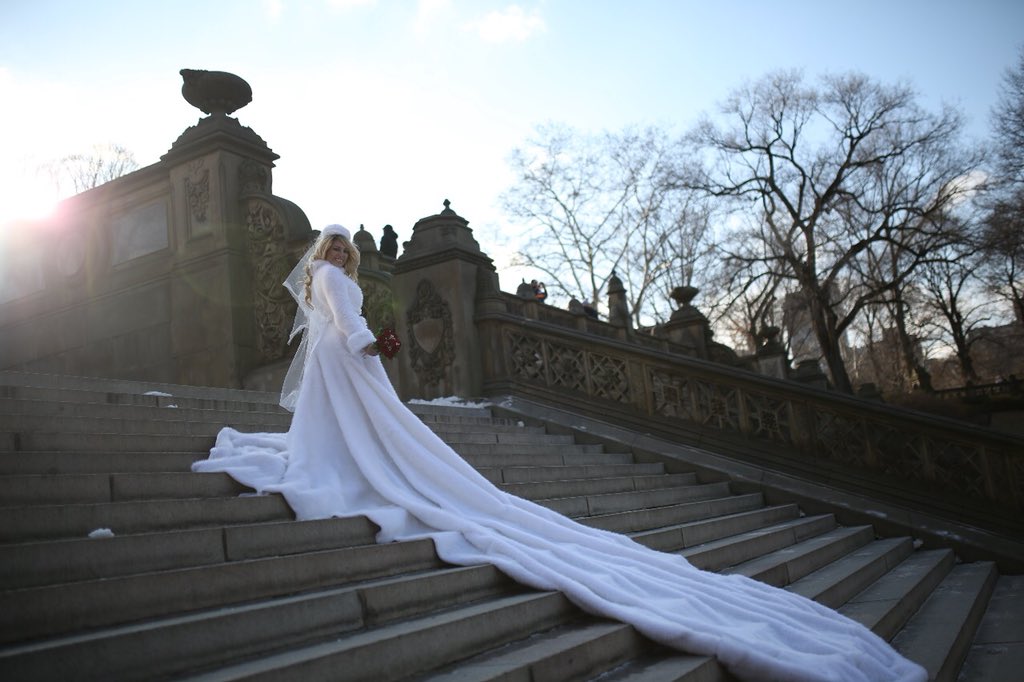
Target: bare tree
(79, 172)
(1002, 242)
(849, 169)
(1008, 124)
(598, 204)
(952, 290)
(1003, 235)
(746, 291)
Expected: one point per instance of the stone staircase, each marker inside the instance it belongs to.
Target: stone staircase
(187, 577)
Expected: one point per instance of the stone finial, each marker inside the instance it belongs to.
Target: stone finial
(684, 295)
(214, 92)
(364, 241)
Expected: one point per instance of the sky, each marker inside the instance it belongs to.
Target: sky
(382, 109)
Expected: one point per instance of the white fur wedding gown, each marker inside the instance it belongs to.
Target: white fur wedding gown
(354, 449)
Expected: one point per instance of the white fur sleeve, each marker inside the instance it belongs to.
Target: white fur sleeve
(343, 310)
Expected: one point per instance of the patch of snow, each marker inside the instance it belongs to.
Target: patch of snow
(452, 401)
(520, 424)
(170, 405)
(159, 394)
(102, 533)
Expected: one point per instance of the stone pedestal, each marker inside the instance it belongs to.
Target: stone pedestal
(687, 326)
(771, 358)
(437, 282)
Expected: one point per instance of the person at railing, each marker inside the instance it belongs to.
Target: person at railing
(354, 449)
(540, 292)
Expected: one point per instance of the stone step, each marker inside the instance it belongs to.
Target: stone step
(538, 453)
(681, 536)
(34, 413)
(571, 487)
(576, 651)
(669, 667)
(511, 456)
(596, 505)
(518, 438)
(18, 384)
(407, 648)
(199, 438)
(23, 379)
(45, 441)
(836, 583)
(162, 422)
(785, 566)
(644, 519)
(20, 524)
(23, 416)
(177, 644)
(939, 635)
(885, 606)
(512, 474)
(143, 397)
(721, 553)
(55, 463)
(47, 489)
(997, 652)
(36, 563)
(52, 610)
(187, 398)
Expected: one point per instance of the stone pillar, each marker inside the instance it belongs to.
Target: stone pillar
(687, 326)
(438, 281)
(235, 243)
(378, 298)
(771, 357)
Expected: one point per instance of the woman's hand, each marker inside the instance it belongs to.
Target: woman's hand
(371, 349)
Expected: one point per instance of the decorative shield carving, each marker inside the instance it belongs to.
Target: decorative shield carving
(428, 333)
(433, 347)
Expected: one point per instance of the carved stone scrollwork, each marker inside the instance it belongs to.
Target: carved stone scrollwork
(432, 346)
(769, 418)
(272, 306)
(561, 366)
(526, 357)
(255, 178)
(197, 191)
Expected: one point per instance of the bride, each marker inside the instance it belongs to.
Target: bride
(354, 449)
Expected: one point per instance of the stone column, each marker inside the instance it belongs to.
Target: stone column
(437, 282)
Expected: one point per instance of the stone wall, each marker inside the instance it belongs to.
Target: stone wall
(171, 273)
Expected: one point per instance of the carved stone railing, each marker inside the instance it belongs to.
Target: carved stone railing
(839, 438)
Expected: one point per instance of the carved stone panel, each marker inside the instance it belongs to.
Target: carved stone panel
(432, 342)
(197, 194)
(139, 232)
(273, 307)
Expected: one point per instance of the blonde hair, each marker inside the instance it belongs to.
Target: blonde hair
(351, 264)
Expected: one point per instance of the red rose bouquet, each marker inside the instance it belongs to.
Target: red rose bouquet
(387, 342)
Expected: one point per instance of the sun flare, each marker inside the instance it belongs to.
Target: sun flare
(28, 198)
